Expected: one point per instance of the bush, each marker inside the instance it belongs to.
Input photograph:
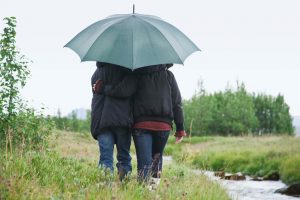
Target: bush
(33, 128)
(30, 129)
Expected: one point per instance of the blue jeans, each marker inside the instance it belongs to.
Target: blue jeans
(107, 138)
(149, 147)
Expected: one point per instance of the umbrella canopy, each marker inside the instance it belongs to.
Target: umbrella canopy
(132, 41)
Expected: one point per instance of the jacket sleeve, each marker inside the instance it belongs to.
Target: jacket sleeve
(97, 75)
(123, 89)
(176, 103)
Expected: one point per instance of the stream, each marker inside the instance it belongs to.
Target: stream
(250, 190)
(247, 189)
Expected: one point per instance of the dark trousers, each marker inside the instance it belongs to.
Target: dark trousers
(149, 147)
(107, 138)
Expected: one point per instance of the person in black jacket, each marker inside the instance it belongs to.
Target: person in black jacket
(156, 103)
(111, 119)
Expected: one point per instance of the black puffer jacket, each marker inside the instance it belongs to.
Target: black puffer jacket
(156, 96)
(109, 111)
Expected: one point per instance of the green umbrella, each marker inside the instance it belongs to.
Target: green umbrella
(133, 41)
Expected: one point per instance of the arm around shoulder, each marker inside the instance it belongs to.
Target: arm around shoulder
(124, 89)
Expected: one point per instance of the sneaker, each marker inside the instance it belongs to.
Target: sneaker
(153, 183)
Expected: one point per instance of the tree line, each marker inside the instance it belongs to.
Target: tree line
(236, 112)
(72, 122)
(230, 112)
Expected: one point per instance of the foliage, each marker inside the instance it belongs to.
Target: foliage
(19, 125)
(13, 75)
(272, 114)
(32, 128)
(14, 71)
(236, 112)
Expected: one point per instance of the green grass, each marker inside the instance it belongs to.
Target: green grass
(173, 149)
(289, 169)
(68, 170)
(193, 140)
(258, 156)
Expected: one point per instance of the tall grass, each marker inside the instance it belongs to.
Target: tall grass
(63, 172)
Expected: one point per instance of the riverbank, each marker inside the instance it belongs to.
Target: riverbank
(253, 156)
(68, 170)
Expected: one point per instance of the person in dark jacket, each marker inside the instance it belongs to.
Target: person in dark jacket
(156, 103)
(111, 119)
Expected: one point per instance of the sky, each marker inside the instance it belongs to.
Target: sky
(256, 42)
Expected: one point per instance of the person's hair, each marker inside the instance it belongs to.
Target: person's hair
(99, 64)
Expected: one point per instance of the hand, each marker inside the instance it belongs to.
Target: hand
(97, 87)
(178, 139)
(179, 136)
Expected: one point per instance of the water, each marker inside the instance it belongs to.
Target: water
(167, 160)
(250, 190)
(247, 189)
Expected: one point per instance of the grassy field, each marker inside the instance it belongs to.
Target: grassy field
(68, 170)
(258, 156)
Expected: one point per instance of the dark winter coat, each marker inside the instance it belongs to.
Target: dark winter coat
(109, 111)
(155, 93)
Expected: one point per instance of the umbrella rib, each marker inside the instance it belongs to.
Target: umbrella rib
(121, 20)
(74, 38)
(164, 37)
(132, 48)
